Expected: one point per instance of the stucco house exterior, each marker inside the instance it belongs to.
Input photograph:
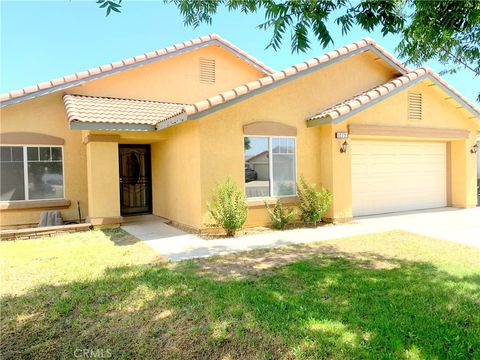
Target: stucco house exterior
(155, 133)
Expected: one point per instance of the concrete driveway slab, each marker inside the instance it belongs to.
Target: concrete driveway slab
(458, 225)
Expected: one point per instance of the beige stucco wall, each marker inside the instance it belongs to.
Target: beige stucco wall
(175, 175)
(46, 115)
(175, 79)
(318, 155)
(221, 133)
(103, 181)
(478, 159)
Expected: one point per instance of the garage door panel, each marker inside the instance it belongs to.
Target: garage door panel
(359, 169)
(397, 176)
(361, 149)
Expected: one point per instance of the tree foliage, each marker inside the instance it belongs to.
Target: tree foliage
(110, 5)
(247, 143)
(446, 30)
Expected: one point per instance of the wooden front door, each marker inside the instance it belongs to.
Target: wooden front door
(135, 179)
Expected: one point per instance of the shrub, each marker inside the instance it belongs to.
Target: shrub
(313, 204)
(228, 209)
(279, 215)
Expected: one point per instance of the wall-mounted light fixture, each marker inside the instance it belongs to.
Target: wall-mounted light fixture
(344, 147)
(474, 149)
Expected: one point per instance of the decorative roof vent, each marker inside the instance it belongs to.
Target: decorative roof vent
(414, 106)
(207, 71)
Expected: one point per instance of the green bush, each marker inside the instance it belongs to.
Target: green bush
(279, 215)
(228, 209)
(313, 204)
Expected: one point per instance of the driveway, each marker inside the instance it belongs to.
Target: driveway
(458, 225)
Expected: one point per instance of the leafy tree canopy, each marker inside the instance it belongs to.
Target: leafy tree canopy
(443, 30)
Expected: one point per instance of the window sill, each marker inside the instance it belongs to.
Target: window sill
(260, 202)
(34, 204)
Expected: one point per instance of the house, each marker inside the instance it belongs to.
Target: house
(155, 133)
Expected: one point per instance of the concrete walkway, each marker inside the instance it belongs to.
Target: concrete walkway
(459, 225)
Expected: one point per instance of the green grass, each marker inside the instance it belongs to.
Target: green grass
(389, 295)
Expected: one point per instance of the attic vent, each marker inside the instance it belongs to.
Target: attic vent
(414, 106)
(207, 71)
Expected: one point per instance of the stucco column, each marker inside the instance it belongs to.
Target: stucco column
(103, 183)
(336, 174)
(463, 173)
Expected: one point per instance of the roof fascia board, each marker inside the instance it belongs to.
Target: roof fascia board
(389, 61)
(293, 77)
(172, 121)
(243, 57)
(328, 120)
(130, 66)
(77, 125)
(454, 96)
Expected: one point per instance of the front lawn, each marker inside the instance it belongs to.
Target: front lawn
(389, 295)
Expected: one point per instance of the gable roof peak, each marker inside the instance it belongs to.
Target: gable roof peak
(78, 78)
(369, 40)
(342, 110)
(287, 74)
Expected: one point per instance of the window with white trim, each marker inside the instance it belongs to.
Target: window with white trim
(269, 166)
(31, 172)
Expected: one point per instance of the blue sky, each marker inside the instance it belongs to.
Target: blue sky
(43, 40)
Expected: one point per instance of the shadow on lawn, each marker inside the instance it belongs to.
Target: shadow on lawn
(119, 237)
(327, 306)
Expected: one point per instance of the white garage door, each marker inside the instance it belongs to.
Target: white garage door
(391, 176)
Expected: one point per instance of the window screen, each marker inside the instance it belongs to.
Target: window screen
(269, 166)
(41, 165)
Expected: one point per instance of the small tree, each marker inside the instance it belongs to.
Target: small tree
(313, 204)
(228, 209)
(279, 215)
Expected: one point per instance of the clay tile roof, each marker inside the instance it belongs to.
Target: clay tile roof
(105, 110)
(71, 80)
(302, 67)
(363, 99)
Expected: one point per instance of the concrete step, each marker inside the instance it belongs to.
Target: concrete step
(142, 218)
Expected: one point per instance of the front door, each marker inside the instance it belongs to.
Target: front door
(135, 179)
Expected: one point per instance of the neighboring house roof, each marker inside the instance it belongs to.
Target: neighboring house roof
(359, 102)
(114, 113)
(68, 81)
(239, 93)
(253, 157)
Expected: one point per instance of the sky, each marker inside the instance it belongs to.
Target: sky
(43, 40)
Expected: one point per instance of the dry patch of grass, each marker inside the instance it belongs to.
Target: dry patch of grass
(376, 251)
(389, 295)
